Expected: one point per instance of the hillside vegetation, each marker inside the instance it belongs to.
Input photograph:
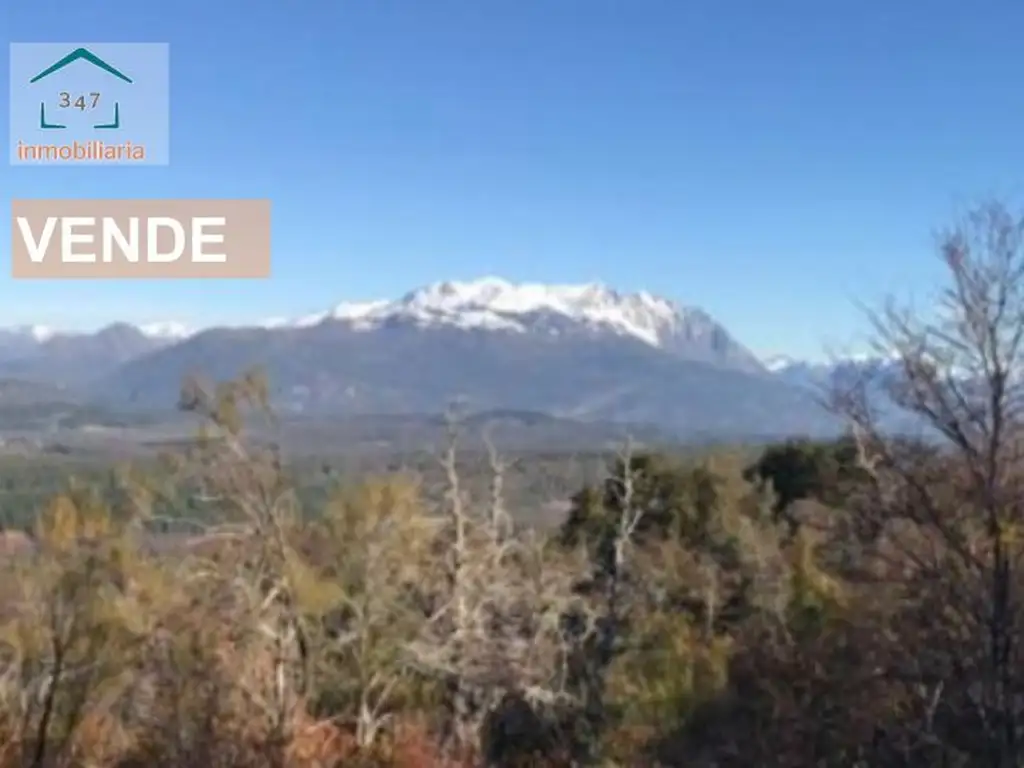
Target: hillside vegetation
(855, 603)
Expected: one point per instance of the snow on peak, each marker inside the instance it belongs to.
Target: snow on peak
(357, 310)
(776, 363)
(40, 333)
(37, 333)
(496, 304)
(168, 330)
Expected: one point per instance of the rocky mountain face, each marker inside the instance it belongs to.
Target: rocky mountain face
(584, 352)
(590, 311)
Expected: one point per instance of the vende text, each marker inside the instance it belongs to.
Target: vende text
(79, 235)
(150, 239)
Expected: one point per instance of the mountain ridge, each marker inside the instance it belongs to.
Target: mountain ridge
(488, 303)
(582, 351)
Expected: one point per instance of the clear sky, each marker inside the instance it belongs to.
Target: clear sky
(772, 162)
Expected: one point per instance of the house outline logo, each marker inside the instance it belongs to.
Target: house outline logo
(80, 54)
(89, 103)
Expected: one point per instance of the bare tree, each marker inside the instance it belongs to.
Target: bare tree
(495, 629)
(949, 503)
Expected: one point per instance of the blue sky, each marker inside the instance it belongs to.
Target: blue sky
(772, 162)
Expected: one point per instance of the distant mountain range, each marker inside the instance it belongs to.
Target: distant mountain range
(819, 375)
(66, 358)
(584, 352)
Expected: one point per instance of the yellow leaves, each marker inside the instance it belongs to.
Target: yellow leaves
(88, 575)
(122, 612)
(222, 405)
(731, 487)
(379, 536)
(70, 519)
(138, 489)
(65, 523)
(812, 586)
(226, 411)
(674, 667)
(382, 523)
(1011, 535)
(21, 639)
(314, 595)
(717, 655)
(375, 502)
(59, 525)
(231, 397)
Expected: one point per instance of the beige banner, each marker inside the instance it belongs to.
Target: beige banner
(159, 239)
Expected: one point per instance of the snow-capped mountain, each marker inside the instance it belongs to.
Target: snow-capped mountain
(582, 351)
(486, 304)
(579, 351)
(169, 330)
(494, 304)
